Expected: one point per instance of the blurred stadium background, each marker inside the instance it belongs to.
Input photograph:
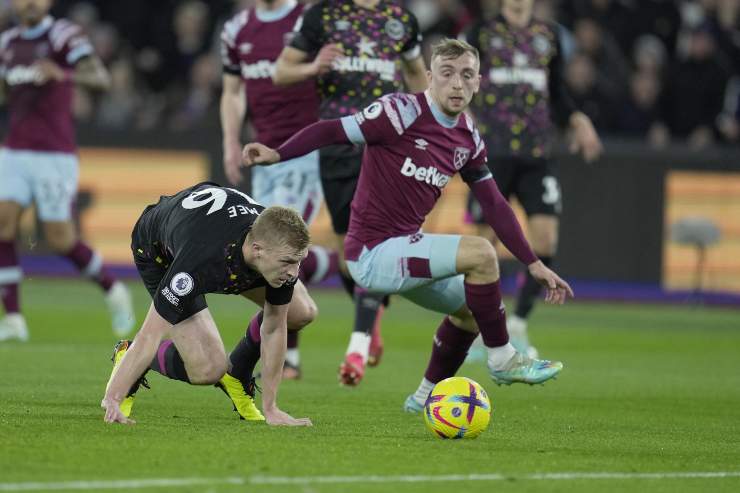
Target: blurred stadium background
(660, 79)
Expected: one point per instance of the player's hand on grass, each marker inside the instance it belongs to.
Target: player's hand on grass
(48, 70)
(325, 58)
(585, 141)
(113, 412)
(232, 162)
(557, 289)
(276, 417)
(256, 153)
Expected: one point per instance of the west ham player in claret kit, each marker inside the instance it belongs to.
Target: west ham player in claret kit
(357, 50)
(415, 143)
(41, 60)
(251, 42)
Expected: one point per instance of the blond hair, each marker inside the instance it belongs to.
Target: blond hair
(279, 225)
(453, 48)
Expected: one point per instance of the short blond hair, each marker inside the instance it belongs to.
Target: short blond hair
(453, 48)
(278, 225)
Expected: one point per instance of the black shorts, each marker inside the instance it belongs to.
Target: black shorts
(152, 261)
(532, 181)
(340, 171)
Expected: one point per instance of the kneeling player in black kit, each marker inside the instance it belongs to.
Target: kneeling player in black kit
(211, 239)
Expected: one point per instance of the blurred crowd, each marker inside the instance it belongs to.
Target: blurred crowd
(659, 70)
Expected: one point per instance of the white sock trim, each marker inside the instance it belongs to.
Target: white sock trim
(293, 356)
(499, 356)
(425, 388)
(10, 275)
(94, 266)
(359, 343)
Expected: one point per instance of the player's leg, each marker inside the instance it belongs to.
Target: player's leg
(15, 194)
(539, 192)
(192, 352)
(453, 338)
(476, 259)
(296, 184)
(238, 382)
(13, 324)
(54, 189)
(340, 171)
(505, 172)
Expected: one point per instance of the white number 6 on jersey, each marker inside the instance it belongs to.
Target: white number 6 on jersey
(215, 195)
(203, 197)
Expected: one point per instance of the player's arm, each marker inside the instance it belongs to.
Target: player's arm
(415, 74)
(585, 140)
(499, 215)
(134, 363)
(273, 332)
(379, 123)
(90, 72)
(295, 63)
(233, 110)
(292, 65)
(413, 68)
(315, 136)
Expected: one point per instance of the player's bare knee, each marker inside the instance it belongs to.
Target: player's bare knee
(59, 240)
(484, 261)
(305, 313)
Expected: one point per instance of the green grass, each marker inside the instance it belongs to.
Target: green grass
(645, 389)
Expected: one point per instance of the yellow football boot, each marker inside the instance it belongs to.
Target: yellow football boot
(242, 398)
(128, 403)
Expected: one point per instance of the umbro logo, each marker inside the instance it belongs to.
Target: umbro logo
(421, 144)
(245, 48)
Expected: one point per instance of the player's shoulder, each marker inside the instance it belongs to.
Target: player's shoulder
(234, 26)
(61, 31)
(470, 128)
(7, 36)
(402, 109)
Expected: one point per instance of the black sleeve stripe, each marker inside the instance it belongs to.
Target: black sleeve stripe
(474, 175)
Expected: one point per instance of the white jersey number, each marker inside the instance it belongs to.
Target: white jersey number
(214, 196)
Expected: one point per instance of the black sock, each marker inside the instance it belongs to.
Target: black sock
(169, 363)
(366, 310)
(348, 283)
(244, 358)
(529, 292)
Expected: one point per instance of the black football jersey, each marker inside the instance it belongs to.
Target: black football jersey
(374, 42)
(189, 244)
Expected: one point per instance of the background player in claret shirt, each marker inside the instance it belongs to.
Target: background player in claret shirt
(357, 48)
(210, 239)
(415, 144)
(251, 43)
(522, 89)
(40, 61)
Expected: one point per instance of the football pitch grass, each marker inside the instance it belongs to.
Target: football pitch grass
(649, 400)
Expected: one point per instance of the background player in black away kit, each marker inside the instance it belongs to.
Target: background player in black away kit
(521, 90)
(210, 239)
(356, 49)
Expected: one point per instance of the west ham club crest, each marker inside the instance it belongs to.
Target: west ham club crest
(460, 157)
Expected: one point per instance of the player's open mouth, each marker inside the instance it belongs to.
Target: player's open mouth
(456, 99)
